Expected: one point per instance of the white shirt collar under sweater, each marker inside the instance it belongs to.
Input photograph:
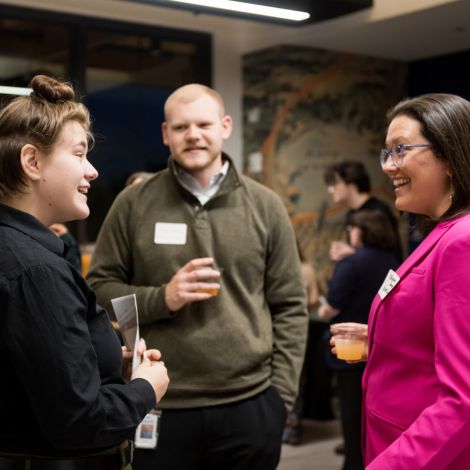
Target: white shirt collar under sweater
(193, 186)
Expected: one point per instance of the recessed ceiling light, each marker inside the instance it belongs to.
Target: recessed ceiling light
(15, 90)
(249, 8)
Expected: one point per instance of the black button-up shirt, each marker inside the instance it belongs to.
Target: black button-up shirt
(61, 388)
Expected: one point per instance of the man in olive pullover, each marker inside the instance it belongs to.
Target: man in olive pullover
(233, 358)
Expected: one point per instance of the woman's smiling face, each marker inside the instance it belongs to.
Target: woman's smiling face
(422, 182)
(66, 174)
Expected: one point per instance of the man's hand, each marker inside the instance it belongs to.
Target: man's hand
(340, 250)
(188, 284)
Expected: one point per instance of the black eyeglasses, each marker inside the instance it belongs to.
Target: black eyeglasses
(397, 152)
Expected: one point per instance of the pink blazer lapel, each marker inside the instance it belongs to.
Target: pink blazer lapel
(415, 258)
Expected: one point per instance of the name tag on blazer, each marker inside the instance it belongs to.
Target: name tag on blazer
(170, 234)
(389, 283)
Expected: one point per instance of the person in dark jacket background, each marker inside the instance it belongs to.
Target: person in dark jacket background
(355, 281)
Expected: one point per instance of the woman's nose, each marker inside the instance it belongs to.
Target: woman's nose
(389, 166)
(91, 173)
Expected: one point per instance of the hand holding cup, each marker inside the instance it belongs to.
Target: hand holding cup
(197, 280)
(349, 341)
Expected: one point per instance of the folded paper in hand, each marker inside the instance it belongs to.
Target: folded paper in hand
(125, 309)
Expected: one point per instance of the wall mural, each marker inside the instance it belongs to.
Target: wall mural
(304, 109)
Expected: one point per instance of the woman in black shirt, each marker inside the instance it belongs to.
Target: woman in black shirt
(353, 285)
(63, 401)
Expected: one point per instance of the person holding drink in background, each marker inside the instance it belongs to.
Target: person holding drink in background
(235, 353)
(64, 403)
(416, 382)
(348, 183)
(351, 289)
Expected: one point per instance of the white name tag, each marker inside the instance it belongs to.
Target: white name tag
(390, 282)
(146, 434)
(170, 234)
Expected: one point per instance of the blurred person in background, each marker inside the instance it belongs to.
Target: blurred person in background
(293, 430)
(349, 183)
(354, 284)
(72, 249)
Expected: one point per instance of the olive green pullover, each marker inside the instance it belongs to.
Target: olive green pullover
(231, 346)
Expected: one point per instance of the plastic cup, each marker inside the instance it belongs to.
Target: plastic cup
(350, 341)
(212, 292)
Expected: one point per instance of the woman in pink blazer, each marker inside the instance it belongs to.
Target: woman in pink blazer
(416, 406)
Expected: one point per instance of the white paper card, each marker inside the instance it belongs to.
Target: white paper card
(125, 309)
(170, 234)
(389, 283)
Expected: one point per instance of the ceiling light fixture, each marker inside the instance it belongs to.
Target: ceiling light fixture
(250, 8)
(15, 90)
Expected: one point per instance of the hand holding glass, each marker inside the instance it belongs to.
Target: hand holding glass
(350, 341)
(211, 290)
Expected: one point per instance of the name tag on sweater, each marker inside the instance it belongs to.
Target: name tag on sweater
(170, 234)
(390, 282)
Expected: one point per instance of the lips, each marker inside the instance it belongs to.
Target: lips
(83, 190)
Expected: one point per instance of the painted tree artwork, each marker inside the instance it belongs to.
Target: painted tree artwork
(304, 109)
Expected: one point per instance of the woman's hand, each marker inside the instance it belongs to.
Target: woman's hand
(126, 364)
(127, 357)
(339, 250)
(154, 371)
(362, 332)
(151, 368)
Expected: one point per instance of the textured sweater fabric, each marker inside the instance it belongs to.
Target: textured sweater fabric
(238, 343)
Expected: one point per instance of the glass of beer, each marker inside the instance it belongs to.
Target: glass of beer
(211, 290)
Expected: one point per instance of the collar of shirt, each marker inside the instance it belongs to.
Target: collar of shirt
(31, 226)
(193, 186)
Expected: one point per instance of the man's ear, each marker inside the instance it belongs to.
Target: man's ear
(29, 157)
(227, 126)
(164, 132)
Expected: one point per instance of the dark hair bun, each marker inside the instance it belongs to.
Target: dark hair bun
(51, 89)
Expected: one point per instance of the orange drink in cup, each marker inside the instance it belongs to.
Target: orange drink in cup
(350, 341)
(211, 291)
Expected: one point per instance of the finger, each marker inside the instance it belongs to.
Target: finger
(141, 346)
(206, 286)
(195, 296)
(153, 354)
(127, 355)
(198, 262)
(145, 358)
(203, 274)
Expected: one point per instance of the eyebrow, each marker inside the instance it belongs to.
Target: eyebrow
(82, 143)
(396, 141)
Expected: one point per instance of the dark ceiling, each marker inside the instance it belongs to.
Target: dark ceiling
(319, 10)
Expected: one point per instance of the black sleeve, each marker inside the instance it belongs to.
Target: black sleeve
(78, 399)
